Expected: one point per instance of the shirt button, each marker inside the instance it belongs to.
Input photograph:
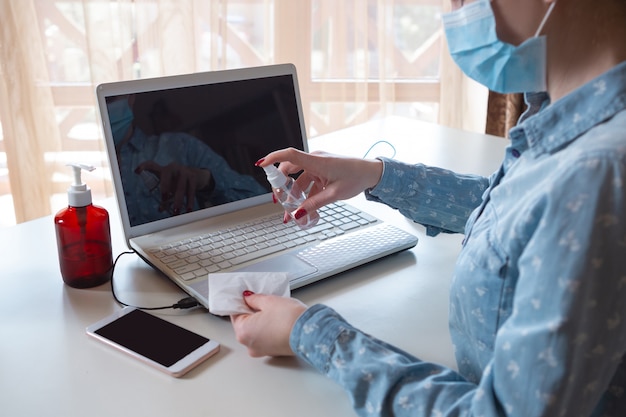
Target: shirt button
(515, 153)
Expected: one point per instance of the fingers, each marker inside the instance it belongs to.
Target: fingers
(244, 327)
(150, 166)
(311, 179)
(334, 177)
(167, 187)
(191, 187)
(266, 331)
(180, 189)
(166, 182)
(254, 301)
(290, 159)
(178, 185)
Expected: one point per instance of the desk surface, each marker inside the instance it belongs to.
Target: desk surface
(49, 367)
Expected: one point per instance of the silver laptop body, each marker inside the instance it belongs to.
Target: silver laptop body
(164, 135)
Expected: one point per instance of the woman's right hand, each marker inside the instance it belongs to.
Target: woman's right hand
(334, 177)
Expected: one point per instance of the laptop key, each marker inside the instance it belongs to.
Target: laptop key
(186, 268)
(177, 264)
(187, 276)
(225, 264)
(349, 226)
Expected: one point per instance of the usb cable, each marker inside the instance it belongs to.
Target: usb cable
(182, 304)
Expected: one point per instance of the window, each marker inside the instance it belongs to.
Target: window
(356, 59)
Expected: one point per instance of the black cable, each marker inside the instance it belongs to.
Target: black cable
(184, 303)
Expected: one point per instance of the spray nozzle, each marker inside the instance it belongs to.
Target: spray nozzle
(79, 195)
(275, 177)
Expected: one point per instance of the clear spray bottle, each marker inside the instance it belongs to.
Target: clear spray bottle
(83, 237)
(290, 196)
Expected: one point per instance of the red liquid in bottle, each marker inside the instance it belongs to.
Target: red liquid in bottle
(84, 242)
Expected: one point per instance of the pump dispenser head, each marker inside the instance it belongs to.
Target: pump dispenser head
(275, 177)
(79, 195)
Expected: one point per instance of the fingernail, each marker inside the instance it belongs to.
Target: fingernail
(247, 293)
(300, 213)
(259, 162)
(274, 198)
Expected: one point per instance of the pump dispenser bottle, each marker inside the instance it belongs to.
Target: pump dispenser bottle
(83, 237)
(290, 196)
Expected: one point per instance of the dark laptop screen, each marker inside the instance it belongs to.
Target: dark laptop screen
(184, 149)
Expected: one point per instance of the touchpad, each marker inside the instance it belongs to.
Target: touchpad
(288, 262)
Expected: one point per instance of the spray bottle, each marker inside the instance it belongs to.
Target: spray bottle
(290, 196)
(83, 237)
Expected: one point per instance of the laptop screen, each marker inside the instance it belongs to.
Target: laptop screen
(184, 149)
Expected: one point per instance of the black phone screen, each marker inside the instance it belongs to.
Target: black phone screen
(152, 337)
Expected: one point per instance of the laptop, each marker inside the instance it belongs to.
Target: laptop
(182, 151)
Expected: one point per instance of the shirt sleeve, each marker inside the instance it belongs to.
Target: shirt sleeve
(437, 198)
(381, 380)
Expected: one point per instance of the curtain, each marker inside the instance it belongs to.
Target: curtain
(28, 126)
(357, 60)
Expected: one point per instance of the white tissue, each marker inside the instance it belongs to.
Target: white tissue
(226, 289)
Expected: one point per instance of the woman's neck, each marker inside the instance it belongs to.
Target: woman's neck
(585, 42)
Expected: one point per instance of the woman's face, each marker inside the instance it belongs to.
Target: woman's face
(457, 4)
(516, 20)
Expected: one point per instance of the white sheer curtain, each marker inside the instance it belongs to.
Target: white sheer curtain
(356, 59)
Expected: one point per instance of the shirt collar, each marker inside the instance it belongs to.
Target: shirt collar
(547, 127)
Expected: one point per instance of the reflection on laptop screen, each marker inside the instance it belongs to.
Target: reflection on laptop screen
(184, 149)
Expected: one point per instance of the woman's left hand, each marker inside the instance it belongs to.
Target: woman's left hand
(266, 331)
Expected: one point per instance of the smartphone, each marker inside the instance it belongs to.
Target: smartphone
(153, 340)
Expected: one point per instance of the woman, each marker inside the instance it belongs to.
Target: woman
(538, 301)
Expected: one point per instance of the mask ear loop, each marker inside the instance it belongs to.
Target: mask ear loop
(545, 19)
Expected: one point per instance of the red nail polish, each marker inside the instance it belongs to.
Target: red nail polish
(259, 162)
(300, 213)
(274, 198)
(247, 293)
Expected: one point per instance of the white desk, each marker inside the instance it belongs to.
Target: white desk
(49, 367)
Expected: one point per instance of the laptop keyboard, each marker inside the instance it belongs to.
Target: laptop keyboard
(212, 252)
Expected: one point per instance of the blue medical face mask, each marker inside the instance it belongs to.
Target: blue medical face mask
(499, 66)
(121, 117)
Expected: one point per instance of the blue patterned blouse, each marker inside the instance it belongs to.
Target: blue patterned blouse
(538, 301)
